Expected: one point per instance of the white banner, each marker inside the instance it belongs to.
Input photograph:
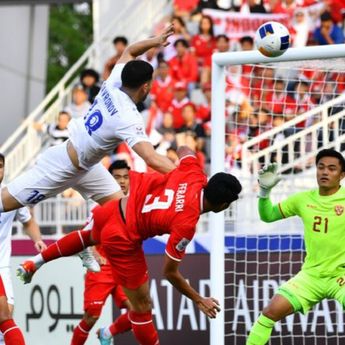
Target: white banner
(236, 25)
(50, 306)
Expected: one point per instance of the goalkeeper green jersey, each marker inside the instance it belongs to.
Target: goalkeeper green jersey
(324, 228)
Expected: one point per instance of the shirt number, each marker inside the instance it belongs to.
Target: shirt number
(158, 204)
(320, 224)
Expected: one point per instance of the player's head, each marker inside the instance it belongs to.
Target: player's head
(137, 77)
(221, 190)
(2, 166)
(120, 170)
(330, 169)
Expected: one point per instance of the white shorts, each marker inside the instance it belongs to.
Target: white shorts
(7, 281)
(54, 172)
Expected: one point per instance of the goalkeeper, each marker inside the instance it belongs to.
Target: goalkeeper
(322, 212)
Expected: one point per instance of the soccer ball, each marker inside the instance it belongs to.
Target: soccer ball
(272, 39)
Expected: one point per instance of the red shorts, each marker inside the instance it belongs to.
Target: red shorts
(125, 256)
(98, 286)
(2, 288)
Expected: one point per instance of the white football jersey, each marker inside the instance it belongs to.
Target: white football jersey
(112, 118)
(6, 223)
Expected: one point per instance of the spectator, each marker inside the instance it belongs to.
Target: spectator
(246, 43)
(177, 104)
(89, 79)
(204, 43)
(79, 105)
(152, 56)
(58, 131)
(190, 123)
(301, 27)
(204, 110)
(120, 43)
(162, 87)
(222, 43)
(180, 32)
(328, 32)
(184, 8)
(184, 67)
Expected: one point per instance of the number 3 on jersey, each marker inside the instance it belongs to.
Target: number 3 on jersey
(158, 204)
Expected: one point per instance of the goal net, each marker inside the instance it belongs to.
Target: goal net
(285, 110)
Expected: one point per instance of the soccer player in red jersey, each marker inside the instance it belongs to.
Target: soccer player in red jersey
(158, 204)
(99, 285)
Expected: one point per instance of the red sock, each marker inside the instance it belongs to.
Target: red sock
(70, 244)
(120, 325)
(80, 334)
(143, 328)
(12, 333)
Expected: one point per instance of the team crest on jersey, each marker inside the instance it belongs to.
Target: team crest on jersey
(181, 246)
(339, 209)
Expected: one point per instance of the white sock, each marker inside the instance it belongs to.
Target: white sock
(38, 260)
(107, 333)
(2, 340)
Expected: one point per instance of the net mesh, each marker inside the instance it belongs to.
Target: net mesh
(282, 112)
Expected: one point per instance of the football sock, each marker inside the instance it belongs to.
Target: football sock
(70, 244)
(261, 331)
(143, 328)
(80, 333)
(120, 325)
(12, 333)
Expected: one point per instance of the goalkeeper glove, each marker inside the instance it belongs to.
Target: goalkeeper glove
(268, 178)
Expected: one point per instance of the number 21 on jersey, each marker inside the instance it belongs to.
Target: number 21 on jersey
(158, 204)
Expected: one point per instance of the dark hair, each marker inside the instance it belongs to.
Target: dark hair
(64, 112)
(160, 62)
(211, 31)
(136, 73)
(222, 188)
(331, 153)
(326, 16)
(119, 164)
(246, 39)
(180, 20)
(2, 158)
(181, 41)
(89, 72)
(218, 37)
(121, 39)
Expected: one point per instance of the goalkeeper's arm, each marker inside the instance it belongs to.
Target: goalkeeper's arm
(268, 178)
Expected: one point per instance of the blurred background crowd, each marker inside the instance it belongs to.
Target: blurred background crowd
(178, 109)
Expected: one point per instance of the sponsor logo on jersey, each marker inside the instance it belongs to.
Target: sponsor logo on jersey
(339, 209)
(311, 206)
(180, 197)
(181, 246)
(139, 130)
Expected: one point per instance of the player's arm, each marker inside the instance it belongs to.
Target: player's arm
(32, 229)
(138, 48)
(208, 306)
(153, 159)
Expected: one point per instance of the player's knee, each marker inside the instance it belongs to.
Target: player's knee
(271, 312)
(92, 314)
(142, 304)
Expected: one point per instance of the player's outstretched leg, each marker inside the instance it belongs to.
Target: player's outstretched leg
(278, 308)
(70, 244)
(121, 325)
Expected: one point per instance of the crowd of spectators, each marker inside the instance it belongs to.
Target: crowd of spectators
(178, 110)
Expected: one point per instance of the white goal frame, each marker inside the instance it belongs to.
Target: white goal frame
(216, 221)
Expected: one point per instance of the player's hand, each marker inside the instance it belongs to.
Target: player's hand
(209, 306)
(268, 178)
(162, 39)
(40, 246)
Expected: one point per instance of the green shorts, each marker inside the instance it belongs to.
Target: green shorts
(305, 290)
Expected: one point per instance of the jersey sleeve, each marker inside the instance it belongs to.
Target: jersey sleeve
(114, 79)
(134, 134)
(178, 242)
(290, 206)
(23, 215)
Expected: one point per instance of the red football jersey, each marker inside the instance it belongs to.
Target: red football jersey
(166, 204)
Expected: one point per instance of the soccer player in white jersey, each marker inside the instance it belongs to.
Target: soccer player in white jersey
(112, 118)
(10, 333)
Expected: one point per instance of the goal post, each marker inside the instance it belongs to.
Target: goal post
(216, 221)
